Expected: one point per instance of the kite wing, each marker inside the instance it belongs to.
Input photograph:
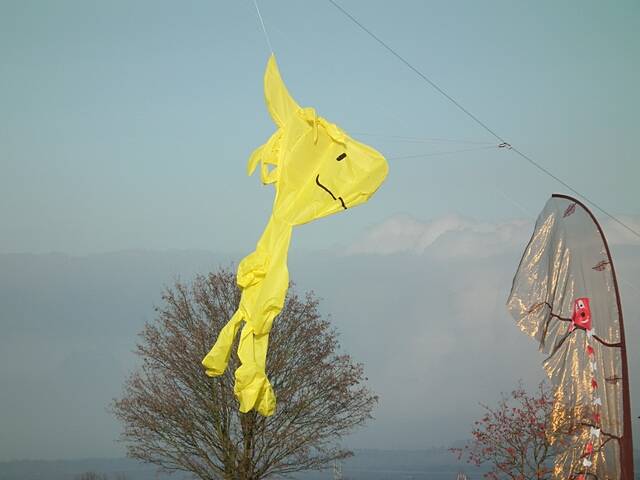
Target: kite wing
(565, 295)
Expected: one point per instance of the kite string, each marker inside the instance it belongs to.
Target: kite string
(266, 35)
(433, 154)
(408, 139)
(477, 120)
(629, 284)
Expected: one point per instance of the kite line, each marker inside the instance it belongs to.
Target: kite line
(266, 35)
(449, 152)
(503, 142)
(405, 139)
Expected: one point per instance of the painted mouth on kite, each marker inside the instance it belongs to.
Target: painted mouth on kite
(329, 192)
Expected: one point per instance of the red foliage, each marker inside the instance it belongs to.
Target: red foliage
(511, 437)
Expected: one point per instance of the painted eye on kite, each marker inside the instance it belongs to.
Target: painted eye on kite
(580, 304)
(342, 156)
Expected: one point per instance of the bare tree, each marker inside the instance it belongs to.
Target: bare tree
(512, 438)
(176, 417)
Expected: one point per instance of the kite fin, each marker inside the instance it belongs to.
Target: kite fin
(279, 102)
(254, 159)
(267, 154)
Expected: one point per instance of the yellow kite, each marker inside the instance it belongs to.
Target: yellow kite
(317, 170)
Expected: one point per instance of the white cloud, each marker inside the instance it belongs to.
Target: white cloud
(454, 236)
(448, 236)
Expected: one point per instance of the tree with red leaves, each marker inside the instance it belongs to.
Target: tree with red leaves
(512, 438)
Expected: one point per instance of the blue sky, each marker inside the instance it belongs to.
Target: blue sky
(128, 124)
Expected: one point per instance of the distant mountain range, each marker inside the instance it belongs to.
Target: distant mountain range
(426, 319)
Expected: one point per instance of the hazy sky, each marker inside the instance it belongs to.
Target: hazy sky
(421, 304)
(127, 126)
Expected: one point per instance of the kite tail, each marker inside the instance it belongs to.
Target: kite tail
(264, 279)
(215, 362)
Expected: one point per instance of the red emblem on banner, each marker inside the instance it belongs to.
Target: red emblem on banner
(581, 314)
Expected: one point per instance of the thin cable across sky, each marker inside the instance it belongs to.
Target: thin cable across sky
(477, 120)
